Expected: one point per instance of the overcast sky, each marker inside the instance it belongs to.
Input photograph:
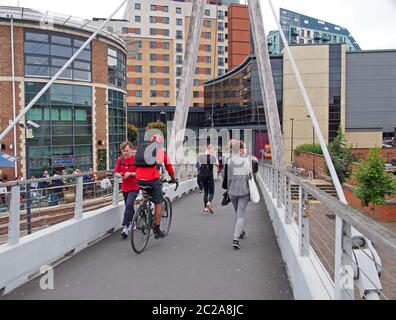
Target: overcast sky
(371, 22)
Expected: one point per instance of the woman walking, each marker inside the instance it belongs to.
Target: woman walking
(237, 173)
(206, 162)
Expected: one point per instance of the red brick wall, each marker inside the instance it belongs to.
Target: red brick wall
(99, 58)
(388, 154)
(305, 160)
(386, 213)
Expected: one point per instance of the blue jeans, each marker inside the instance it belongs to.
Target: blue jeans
(129, 198)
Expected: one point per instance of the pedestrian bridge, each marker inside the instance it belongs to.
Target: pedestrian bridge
(289, 252)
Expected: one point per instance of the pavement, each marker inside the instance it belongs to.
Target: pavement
(196, 261)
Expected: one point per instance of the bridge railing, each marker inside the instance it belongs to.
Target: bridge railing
(305, 220)
(27, 208)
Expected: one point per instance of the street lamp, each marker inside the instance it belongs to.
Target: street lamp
(292, 137)
(313, 146)
(29, 125)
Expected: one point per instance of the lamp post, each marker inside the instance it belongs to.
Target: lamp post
(292, 137)
(313, 146)
(28, 126)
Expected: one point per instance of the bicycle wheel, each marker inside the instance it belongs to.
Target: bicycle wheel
(140, 233)
(166, 216)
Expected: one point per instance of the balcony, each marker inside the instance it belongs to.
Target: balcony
(326, 37)
(294, 32)
(317, 36)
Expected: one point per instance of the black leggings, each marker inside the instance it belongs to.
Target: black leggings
(129, 198)
(209, 189)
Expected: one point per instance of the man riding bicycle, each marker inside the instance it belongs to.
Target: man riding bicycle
(149, 160)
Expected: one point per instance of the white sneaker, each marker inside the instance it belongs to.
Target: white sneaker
(124, 233)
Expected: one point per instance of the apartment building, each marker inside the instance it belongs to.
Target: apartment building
(156, 33)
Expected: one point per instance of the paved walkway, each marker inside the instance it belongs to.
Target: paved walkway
(196, 261)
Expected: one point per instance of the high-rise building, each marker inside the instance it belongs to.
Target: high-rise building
(156, 33)
(302, 29)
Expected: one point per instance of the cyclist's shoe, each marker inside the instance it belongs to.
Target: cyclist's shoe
(243, 235)
(124, 233)
(210, 207)
(236, 245)
(158, 234)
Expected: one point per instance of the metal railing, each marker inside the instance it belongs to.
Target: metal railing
(26, 208)
(315, 216)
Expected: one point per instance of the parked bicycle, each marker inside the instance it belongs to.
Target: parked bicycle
(143, 221)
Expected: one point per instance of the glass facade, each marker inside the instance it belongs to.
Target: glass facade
(64, 138)
(117, 68)
(117, 125)
(46, 53)
(235, 99)
(334, 90)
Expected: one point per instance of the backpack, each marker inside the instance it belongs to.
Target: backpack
(146, 155)
(206, 170)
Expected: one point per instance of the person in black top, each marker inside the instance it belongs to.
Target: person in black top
(206, 162)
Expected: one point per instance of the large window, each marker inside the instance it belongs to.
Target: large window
(47, 52)
(64, 138)
(117, 124)
(117, 68)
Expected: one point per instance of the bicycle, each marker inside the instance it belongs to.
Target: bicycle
(143, 221)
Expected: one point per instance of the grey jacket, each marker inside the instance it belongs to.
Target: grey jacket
(237, 176)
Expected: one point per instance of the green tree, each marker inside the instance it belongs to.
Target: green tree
(373, 182)
(102, 156)
(133, 133)
(342, 156)
(157, 125)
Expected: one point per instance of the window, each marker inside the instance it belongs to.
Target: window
(220, 26)
(153, 69)
(207, 13)
(179, 47)
(138, 81)
(196, 83)
(152, 19)
(138, 19)
(179, 72)
(179, 34)
(116, 67)
(166, 57)
(179, 22)
(207, 35)
(153, 57)
(138, 6)
(165, 69)
(139, 93)
(166, 82)
(138, 69)
(208, 59)
(47, 52)
(138, 56)
(166, 94)
(196, 70)
(208, 71)
(165, 20)
(153, 94)
(220, 14)
(165, 45)
(153, 82)
(208, 48)
(153, 32)
(207, 23)
(178, 83)
(125, 31)
(165, 9)
(196, 94)
(165, 32)
(220, 61)
(138, 31)
(220, 37)
(178, 10)
(153, 7)
(153, 45)
(220, 50)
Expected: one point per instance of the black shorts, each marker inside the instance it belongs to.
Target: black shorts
(156, 193)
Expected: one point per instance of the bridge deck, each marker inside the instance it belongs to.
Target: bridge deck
(196, 261)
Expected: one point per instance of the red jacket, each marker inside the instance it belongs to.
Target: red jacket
(123, 166)
(148, 174)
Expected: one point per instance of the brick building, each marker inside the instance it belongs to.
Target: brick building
(82, 116)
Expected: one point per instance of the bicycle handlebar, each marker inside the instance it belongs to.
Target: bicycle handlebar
(173, 182)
